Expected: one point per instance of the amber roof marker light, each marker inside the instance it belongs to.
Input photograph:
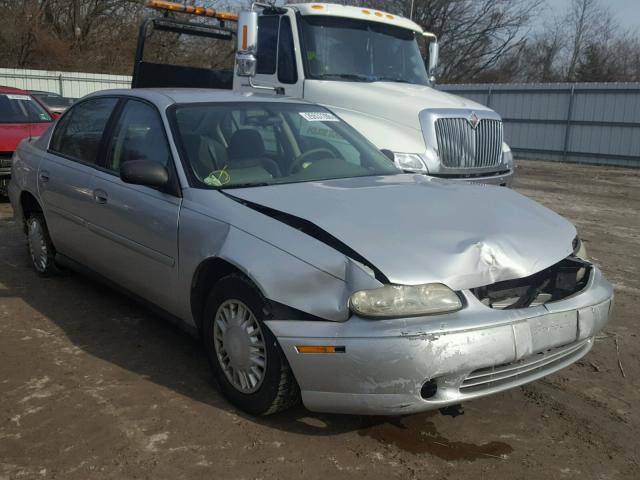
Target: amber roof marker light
(191, 9)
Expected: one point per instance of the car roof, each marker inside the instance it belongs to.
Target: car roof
(163, 97)
(44, 92)
(12, 90)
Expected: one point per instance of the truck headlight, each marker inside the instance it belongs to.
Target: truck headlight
(507, 155)
(405, 300)
(409, 161)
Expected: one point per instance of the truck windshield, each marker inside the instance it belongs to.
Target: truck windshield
(234, 145)
(355, 50)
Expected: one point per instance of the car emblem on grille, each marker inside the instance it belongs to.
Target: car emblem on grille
(473, 120)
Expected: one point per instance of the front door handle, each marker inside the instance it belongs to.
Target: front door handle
(44, 176)
(100, 196)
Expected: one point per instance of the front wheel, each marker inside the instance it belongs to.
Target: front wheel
(245, 357)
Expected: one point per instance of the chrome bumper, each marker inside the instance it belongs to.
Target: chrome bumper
(468, 354)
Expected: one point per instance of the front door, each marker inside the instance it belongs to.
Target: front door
(136, 227)
(278, 65)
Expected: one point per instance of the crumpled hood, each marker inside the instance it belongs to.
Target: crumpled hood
(418, 229)
(397, 102)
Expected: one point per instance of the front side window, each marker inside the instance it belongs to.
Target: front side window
(287, 72)
(357, 50)
(80, 131)
(228, 145)
(138, 135)
(267, 44)
(20, 108)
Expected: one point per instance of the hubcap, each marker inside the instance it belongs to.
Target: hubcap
(37, 246)
(239, 345)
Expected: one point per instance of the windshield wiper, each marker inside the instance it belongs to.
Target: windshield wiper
(346, 76)
(245, 185)
(391, 79)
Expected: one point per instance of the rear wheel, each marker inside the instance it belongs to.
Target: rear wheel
(41, 250)
(245, 357)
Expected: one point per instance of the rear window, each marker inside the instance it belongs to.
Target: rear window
(20, 108)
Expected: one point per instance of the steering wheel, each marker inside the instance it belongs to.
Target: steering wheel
(297, 163)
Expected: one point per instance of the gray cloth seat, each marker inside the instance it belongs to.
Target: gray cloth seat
(205, 154)
(246, 150)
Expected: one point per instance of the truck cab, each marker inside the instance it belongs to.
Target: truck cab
(376, 71)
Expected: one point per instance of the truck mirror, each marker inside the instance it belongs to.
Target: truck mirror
(246, 64)
(433, 57)
(247, 44)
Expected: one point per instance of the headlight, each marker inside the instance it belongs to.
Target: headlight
(409, 161)
(579, 250)
(405, 300)
(507, 155)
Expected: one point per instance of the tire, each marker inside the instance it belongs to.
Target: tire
(41, 250)
(237, 347)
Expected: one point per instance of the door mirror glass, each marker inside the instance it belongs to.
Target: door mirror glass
(144, 172)
(248, 32)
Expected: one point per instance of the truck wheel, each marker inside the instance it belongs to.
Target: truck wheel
(41, 250)
(251, 370)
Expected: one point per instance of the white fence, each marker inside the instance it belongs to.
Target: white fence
(68, 84)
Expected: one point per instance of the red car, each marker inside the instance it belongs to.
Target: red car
(21, 116)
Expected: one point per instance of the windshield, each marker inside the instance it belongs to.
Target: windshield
(347, 49)
(20, 108)
(227, 145)
(54, 101)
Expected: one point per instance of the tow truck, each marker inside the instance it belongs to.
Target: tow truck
(365, 65)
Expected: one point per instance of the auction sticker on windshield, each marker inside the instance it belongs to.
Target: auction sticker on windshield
(18, 97)
(319, 117)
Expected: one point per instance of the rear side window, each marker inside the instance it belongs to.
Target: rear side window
(267, 44)
(80, 131)
(20, 108)
(286, 58)
(139, 135)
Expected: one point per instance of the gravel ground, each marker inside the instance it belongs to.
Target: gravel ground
(94, 386)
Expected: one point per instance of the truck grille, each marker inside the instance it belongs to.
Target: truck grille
(527, 369)
(462, 146)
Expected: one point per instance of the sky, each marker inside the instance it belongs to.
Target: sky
(627, 12)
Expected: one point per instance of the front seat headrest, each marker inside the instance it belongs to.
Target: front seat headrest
(245, 144)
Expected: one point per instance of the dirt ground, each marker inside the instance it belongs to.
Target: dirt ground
(93, 386)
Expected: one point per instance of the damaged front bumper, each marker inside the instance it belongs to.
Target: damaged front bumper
(401, 366)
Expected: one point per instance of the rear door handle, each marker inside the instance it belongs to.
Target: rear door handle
(100, 196)
(44, 176)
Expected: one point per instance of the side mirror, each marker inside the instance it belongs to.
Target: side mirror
(432, 62)
(389, 154)
(247, 44)
(144, 172)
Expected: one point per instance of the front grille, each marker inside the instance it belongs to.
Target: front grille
(5, 159)
(522, 370)
(462, 146)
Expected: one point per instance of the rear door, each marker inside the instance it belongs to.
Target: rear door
(65, 178)
(135, 226)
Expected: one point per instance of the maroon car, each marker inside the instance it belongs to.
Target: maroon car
(21, 116)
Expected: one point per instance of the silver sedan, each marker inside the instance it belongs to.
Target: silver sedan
(309, 265)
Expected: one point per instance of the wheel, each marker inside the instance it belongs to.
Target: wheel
(251, 370)
(41, 250)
